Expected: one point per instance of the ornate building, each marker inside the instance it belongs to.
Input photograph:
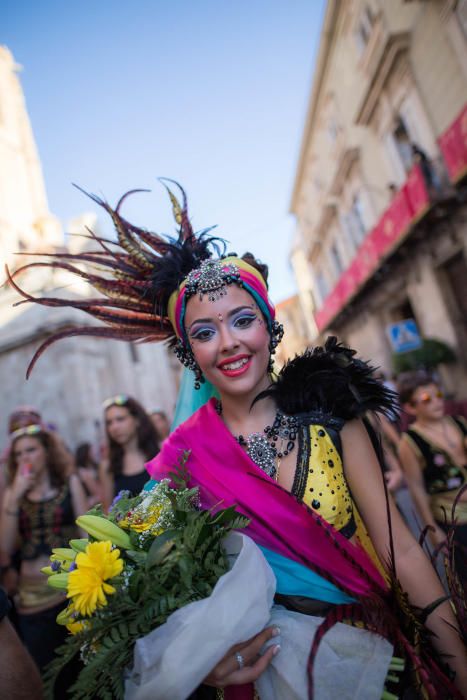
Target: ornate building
(380, 189)
(72, 379)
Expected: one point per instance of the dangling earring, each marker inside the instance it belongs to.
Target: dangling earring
(186, 357)
(277, 333)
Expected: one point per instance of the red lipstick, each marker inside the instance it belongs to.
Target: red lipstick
(234, 372)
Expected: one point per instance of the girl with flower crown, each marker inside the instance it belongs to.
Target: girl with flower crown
(292, 453)
(39, 509)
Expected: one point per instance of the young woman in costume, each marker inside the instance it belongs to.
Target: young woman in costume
(293, 454)
(433, 452)
(132, 441)
(40, 506)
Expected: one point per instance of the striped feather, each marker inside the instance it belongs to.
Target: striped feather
(104, 332)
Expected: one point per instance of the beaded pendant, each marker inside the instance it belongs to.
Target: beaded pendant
(261, 452)
(262, 447)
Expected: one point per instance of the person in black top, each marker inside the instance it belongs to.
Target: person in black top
(132, 441)
(433, 453)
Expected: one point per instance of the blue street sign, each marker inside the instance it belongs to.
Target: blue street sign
(404, 335)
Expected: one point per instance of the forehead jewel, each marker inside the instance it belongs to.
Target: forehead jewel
(211, 278)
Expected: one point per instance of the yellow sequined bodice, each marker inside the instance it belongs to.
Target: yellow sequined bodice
(320, 482)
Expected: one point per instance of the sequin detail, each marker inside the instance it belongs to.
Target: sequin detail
(320, 481)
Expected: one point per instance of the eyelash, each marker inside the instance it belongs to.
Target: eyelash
(242, 322)
(201, 334)
(249, 318)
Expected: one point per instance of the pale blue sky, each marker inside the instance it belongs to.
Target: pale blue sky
(212, 94)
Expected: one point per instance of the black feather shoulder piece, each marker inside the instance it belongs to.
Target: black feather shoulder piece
(331, 383)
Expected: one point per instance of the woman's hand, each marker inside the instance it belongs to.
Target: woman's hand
(23, 482)
(229, 671)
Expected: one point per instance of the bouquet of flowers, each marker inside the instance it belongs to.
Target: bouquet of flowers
(150, 556)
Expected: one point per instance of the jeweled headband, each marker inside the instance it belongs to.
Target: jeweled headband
(118, 400)
(211, 279)
(27, 430)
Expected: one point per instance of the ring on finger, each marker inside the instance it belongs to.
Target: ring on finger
(240, 660)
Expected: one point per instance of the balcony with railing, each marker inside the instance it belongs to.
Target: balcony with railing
(411, 203)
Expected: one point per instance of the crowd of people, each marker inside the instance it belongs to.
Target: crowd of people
(302, 454)
(45, 486)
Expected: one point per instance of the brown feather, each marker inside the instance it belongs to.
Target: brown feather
(109, 333)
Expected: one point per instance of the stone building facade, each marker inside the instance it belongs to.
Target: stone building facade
(74, 377)
(380, 190)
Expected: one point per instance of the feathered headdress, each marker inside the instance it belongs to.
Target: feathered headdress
(134, 275)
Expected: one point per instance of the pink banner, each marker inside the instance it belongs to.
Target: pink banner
(408, 205)
(453, 146)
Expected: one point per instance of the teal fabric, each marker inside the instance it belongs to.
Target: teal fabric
(190, 399)
(295, 579)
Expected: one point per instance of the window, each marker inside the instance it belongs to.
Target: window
(322, 285)
(336, 260)
(353, 222)
(358, 217)
(347, 229)
(364, 29)
(317, 184)
(333, 130)
(403, 145)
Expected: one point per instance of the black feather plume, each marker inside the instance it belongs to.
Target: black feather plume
(179, 258)
(330, 381)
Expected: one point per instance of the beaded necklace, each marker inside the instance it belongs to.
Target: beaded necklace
(263, 449)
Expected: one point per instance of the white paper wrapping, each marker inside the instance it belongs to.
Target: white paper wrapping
(171, 661)
(351, 663)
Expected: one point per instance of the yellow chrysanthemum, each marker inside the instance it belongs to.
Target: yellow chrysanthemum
(139, 524)
(86, 584)
(67, 618)
(77, 626)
